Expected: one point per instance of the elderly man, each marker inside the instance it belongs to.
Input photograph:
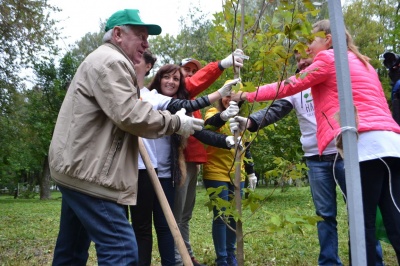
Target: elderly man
(93, 154)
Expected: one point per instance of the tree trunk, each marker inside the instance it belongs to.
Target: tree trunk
(238, 204)
(238, 163)
(44, 181)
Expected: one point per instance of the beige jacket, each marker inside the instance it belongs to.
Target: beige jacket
(94, 148)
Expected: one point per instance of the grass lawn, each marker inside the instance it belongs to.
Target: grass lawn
(28, 231)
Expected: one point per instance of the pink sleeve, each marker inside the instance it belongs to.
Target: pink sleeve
(263, 93)
(270, 91)
(314, 74)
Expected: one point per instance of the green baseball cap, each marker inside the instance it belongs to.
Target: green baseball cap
(130, 17)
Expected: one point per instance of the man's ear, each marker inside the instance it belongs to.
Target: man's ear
(116, 34)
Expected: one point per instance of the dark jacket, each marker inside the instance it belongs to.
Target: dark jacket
(205, 136)
(270, 114)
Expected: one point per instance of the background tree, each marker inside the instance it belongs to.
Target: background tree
(48, 95)
(375, 28)
(87, 43)
(27, 34)
(191, 41)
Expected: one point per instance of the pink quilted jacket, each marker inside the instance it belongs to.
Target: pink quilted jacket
(368, 96)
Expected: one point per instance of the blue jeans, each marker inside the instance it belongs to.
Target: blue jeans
(224, 238)
(322, 176)
(323, 191)
(84, 219)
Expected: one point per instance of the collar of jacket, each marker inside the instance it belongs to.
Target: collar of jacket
(116, 47)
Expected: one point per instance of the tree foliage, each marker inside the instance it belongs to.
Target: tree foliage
(29, 127)
(27, 32)
(28, 35)
(87, 44)
(375, 28)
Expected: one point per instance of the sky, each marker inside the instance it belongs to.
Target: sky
(79, 17)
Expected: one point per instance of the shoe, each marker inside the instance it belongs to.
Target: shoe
(231, 259)
(196, 263)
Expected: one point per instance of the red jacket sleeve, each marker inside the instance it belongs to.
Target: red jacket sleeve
(202, 79)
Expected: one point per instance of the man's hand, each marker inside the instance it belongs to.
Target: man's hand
(227, 88)
(230, 142)
(252, 181)
(238, 123)
(228, 61)
(231, 111)
(188, 124)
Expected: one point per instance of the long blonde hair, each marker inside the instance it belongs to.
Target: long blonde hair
(325, 26)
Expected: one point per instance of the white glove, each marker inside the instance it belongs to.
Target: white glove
(252, 181)
(238, 123)
(188, 124)
(228, 61)
(230, 142)
(231, 111)
(227, 88)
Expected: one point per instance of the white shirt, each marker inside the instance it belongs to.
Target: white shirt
(159, 102)
(164, 157)
(304, 107)
(378, 144)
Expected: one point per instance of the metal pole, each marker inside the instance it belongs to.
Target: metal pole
(347, 118)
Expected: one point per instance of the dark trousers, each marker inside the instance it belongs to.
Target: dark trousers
(376, 182)
(142, 214)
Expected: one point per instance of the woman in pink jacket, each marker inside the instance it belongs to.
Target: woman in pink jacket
(379, 134)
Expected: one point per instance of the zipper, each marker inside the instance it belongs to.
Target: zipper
(117, 148)
(327, 120)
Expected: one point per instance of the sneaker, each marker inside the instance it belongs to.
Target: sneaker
(196, 263)
(231, 259)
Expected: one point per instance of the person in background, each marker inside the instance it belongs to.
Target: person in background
(378, 152)
(93, 152)
(197, 79)
(216, 173)
(325, 171)
(163, 153)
